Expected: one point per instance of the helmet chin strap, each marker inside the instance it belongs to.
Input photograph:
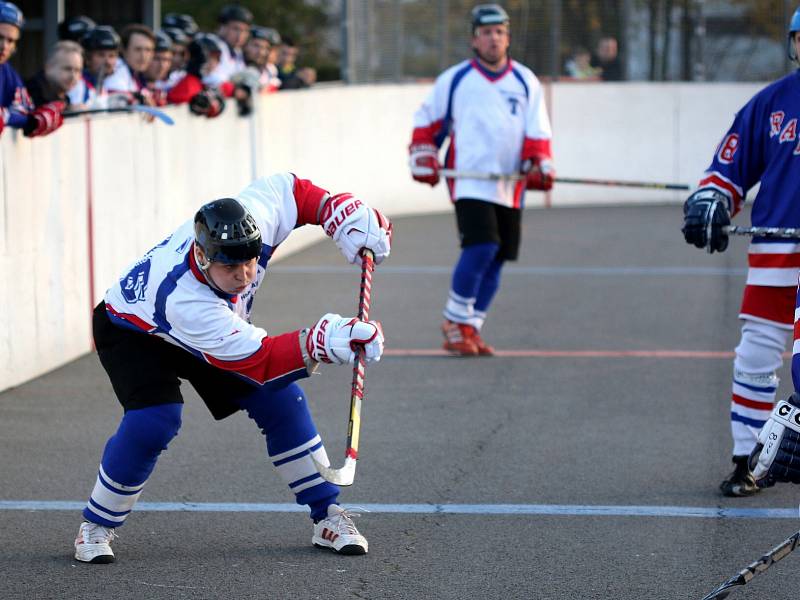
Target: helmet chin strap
(204, 265)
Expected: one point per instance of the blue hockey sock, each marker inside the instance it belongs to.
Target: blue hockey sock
(488, 287)
(128, 460)
(469, 272)
(284, 418)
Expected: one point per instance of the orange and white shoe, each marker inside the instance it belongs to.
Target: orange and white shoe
(338, 533)
(484, 349)
(458, 339)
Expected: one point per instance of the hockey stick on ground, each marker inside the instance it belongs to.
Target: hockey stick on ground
(347, 473)
(759, 566)
(778, 232)
(606, 182)
(154, 112)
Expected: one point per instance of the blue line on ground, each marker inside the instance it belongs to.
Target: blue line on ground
(444, 509)
(513, 270)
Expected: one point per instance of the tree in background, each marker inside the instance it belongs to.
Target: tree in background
(305, 22)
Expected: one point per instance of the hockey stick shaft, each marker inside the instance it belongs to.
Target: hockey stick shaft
(757, 567)
(154, 112)
(346, 474)
(605, 182)
(779, 232)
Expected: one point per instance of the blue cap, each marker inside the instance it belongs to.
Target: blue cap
(9, 13)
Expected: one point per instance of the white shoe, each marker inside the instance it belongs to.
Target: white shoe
(339, 533)
(93, 544)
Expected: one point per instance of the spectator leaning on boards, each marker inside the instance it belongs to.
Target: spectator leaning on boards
(16, 107)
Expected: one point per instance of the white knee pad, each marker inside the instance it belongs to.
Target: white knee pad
(759, 353)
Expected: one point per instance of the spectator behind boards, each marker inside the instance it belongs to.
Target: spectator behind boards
(157, 73)
(579, 66)
(204, 99)
(292, 77)
(606, 58)
(127, 81)
(16, 107)
(75, 28)
(101, 46)
(61, 72)
(234, 29)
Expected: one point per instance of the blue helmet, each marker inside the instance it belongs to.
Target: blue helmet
(794, 26)
(9, 13)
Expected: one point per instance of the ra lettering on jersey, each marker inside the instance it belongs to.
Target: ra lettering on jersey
(762, 146)
(491, 120)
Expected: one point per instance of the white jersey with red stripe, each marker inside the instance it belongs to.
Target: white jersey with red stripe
(763, 146)
(166, 294)
(493, 120)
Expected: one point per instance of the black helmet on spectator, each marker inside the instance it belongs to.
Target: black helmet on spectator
(75, 28)
(488, 14)
(163, 42)
(226, 232)
(177, 35)
(102, 37)
(266, 33)
(186, 23)
(200, 48)
(11, 14)
(235, 12)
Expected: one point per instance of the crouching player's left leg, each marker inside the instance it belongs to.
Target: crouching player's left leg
(284, 418)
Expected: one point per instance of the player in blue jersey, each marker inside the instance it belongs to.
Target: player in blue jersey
(493, 111)
(16, 107)
(182, 311)
(762, 146)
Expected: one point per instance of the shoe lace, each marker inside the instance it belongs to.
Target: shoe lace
(95, 534)
(343, 521)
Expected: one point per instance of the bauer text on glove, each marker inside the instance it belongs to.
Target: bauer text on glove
(334, 339)
(353, 225)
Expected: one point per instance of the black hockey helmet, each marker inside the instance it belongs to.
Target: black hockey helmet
(200, 48)
(163, 41)
(227, 232)
(102, 37)
(186, 23)
(11, 14)
(75, 28)
(235, 12)
(266, 33)
(177, 35)
(488, 14)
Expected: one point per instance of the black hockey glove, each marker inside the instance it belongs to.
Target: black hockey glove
(777, 455)
(208, 103)
(705, 214)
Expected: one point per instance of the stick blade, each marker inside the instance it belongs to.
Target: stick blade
(344, 476)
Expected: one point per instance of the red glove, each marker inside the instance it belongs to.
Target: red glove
(424, 163)
(44, 120)
(539, 173)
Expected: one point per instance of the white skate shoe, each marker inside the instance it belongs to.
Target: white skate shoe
(93, 544)
(339, 533)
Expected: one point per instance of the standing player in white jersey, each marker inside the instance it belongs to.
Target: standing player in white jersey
(493, 111)
(762, 147)
(182, 311)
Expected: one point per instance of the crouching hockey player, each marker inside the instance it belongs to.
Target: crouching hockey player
(183, 312)
(762, 146)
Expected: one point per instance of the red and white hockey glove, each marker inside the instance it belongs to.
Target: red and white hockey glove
(539, 173)
(44, 119)
(334, 339)
(353, 225)
(424, 159)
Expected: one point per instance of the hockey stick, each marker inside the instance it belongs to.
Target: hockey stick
(778, 232)
(753, 569)
(519, 176)
(154, 112)
(346, 474)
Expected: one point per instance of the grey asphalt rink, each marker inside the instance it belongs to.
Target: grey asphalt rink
(581, 463)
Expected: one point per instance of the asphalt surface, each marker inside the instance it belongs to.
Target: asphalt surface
(582, 463)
